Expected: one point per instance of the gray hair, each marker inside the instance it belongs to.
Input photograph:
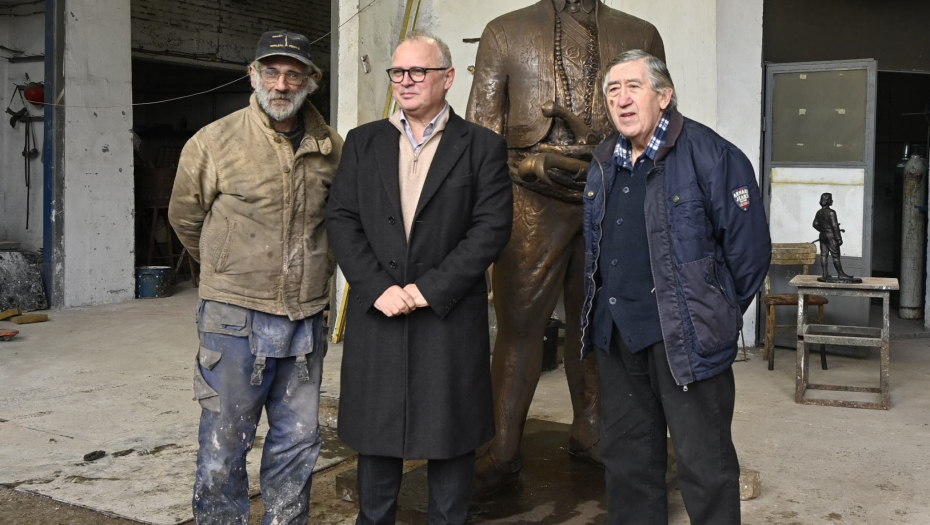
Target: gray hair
(659, 77)
(445, 56)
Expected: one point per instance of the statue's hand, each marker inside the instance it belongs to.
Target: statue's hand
(538, 166)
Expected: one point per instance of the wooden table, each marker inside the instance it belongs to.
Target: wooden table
(843, 335)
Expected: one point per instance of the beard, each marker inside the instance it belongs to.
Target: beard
(267, 97)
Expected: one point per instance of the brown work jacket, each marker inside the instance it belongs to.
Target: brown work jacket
(252, 211)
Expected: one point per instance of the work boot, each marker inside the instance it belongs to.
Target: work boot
(491, 475)
(839, 271)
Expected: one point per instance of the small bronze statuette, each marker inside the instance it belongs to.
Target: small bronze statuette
(831, 238)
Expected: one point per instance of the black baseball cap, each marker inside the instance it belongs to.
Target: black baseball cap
(284, 43)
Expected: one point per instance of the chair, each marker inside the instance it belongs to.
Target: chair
(789, 254)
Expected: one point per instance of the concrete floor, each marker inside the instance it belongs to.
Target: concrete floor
(118, 377)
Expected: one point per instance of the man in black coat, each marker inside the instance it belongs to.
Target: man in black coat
(420, 207)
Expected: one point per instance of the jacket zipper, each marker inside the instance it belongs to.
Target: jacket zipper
(286, 259)
(597, 249)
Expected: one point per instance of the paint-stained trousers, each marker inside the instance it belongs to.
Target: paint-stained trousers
(232, 407)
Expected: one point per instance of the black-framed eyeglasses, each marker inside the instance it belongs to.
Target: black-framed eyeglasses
(271, 75)
(417, 74)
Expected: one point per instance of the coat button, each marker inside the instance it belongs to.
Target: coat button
(626, 189)
(619, 222)
(612, 300)
(287, 169)
(675, 198)
(391, 220)
(277, 140)
(613, 262)
(590, 194)
(392, 264)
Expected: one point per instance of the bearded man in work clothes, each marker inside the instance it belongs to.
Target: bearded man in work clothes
(249, 204)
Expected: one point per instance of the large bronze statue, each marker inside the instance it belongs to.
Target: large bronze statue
(831, 238)
(537, 83)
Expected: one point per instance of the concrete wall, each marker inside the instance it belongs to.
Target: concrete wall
(688, 28)
(739, 92)
(22, 29)
(224, 30)
(893, 33)
(98, 186)
(713, 47)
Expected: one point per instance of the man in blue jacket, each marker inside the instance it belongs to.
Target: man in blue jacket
(676, 247)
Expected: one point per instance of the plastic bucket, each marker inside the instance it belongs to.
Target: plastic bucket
(153, 281)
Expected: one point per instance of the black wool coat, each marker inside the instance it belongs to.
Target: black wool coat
(418, 386)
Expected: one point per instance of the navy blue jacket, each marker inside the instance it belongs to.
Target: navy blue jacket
(709, 244)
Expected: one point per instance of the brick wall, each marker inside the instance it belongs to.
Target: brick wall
(226, 30)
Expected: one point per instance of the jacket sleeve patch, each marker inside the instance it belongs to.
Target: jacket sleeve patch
(741, 197)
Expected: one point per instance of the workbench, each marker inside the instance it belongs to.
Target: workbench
(808, 334)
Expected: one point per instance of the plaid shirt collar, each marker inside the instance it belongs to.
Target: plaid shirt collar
(623, 152)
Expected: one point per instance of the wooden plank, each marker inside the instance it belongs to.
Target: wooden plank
(834, 329)
(842, 340)
(842, 403)
(839, 292)
(868, 283)
(845, 388)
(797, 254)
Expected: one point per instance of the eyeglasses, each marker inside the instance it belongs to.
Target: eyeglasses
(271, 75)
(417, 74)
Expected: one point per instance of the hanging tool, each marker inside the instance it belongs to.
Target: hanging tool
(28, 153)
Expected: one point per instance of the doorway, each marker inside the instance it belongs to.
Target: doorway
(160, 132)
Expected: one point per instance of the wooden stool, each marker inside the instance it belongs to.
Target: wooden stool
(789, 254)
(788, 299)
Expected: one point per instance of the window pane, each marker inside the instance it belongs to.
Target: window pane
(819, 116)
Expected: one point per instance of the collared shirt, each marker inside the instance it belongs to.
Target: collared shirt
(623, 152)
(427, 133)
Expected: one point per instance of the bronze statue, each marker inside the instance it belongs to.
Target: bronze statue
(537, 83)
(831, 238)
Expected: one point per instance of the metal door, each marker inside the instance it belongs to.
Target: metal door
(819, 134)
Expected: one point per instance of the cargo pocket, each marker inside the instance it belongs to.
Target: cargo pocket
(203, 392)
(712, 313)
(224, 319)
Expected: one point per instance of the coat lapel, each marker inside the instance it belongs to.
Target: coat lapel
(387, 155)
(451, 146)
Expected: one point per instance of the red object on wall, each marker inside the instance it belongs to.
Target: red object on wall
(34, 93)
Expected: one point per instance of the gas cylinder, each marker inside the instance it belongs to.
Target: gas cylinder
(913, 239)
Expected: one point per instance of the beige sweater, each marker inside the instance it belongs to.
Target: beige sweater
(413, 167)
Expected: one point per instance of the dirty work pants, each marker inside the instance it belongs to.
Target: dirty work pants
(227, 430)
(640, 398)
(379, 479)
